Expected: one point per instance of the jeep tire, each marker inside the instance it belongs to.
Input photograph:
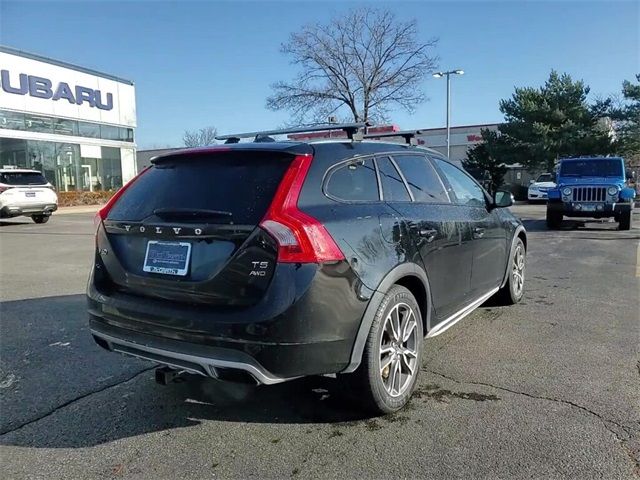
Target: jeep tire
(624, 220)
(554, 219)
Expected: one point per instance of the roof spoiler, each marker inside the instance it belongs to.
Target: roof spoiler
(409, 136)
(351, 129)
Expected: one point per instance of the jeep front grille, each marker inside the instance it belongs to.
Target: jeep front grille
(589, 194)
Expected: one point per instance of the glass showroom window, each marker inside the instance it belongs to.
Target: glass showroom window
(13, 153)
(38, 123)
(90, 130)
(110, 169)
(109, 132)
(42, 157)
(11, 120)
(67, 161)
(65, 127)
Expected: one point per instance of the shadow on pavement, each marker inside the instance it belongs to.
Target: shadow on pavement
(142, 407)
(60, 390)
(4, 223)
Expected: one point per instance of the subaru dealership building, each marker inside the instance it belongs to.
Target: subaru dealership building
(75, 125)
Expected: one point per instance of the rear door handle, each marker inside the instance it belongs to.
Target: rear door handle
(428, 234)
(478, 232)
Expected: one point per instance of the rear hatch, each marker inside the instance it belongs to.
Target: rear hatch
(187, 228)
(25, 187)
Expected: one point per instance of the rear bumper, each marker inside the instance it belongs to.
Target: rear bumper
(305, 325)
(577, 209)
(192, 358)
(16, 210)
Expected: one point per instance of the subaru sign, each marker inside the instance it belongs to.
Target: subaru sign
(41, 87)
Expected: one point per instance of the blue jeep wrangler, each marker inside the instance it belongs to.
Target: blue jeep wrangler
(593, 187)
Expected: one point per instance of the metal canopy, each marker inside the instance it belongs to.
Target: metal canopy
(351, 129)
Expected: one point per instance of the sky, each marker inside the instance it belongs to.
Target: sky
(197, 64)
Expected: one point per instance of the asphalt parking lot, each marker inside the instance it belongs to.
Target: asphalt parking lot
(545, 389)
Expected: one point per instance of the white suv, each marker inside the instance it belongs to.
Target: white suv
(28, 193)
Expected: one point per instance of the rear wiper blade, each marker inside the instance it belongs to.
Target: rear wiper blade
(190, 212)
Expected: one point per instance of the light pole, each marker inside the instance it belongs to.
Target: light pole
(448, 74)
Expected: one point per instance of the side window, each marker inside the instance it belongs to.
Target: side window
(422, 178)
(465, 189)
(393, 188)
(354, 182)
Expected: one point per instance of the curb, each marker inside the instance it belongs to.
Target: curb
(78, 209)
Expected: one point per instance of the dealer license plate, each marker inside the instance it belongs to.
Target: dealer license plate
(168, 258)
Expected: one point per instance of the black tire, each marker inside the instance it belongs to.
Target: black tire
(554, 219)
(40, 218)
(512, 291)
(366, 384)
(624, 221)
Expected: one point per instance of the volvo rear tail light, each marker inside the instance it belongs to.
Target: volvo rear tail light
(300, 237)
(104, 211)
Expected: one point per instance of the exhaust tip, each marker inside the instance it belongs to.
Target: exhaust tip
(102, 342)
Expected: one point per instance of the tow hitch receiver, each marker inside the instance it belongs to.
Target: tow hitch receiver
(166, 375)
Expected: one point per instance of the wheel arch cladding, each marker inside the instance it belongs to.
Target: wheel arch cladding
(520, 233)
(418, 290)
(409, 276)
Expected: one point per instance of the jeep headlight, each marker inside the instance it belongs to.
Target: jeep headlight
(566, 191)
(612, 191)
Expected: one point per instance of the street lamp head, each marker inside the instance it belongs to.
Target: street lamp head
(437, 75)
(459, 72)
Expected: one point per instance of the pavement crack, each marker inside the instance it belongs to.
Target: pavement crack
(73, 400)
(606, 422)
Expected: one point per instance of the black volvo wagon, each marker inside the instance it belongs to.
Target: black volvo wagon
(267, 261)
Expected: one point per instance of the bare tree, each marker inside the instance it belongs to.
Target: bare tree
(200, 138)
(363, 64)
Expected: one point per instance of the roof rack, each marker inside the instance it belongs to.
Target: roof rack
(351, 129)
(408, 135)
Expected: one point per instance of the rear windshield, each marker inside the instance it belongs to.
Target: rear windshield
(22, 178)
(591, 168)
(240, 183)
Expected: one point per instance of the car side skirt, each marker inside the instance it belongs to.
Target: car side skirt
(459, 315)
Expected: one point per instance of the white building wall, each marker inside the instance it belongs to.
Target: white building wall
(123, 112)
(128, 162)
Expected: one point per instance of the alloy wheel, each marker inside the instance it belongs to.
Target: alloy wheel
(517, 271)
(398, 349)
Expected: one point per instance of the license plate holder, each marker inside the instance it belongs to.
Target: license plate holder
(167, 258)
(589, 207)
(30, 194)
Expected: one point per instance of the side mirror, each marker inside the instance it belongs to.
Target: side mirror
(531, 181)
(502, 199)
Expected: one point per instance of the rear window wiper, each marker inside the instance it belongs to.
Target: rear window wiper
(191, 212)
